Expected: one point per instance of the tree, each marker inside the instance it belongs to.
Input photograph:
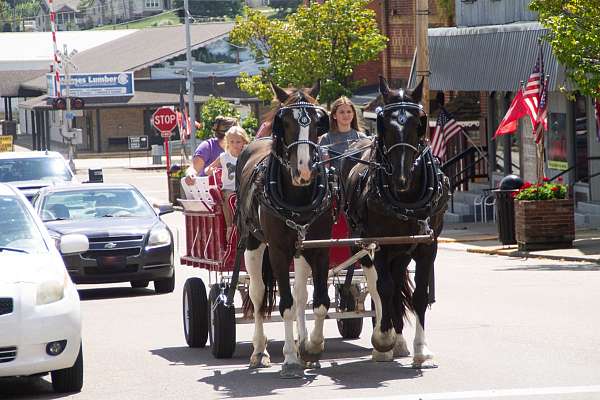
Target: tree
(214, 107)
(212, 8)
(575, 39)
(322, 41)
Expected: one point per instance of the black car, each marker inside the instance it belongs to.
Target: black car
(128, 240)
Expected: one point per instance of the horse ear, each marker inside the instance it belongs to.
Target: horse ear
(281, 94)
(314, 91)
(384, 88)
(417, 93)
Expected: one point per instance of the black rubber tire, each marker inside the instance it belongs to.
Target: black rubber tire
(222, 324)
(165, 285)
(349, 328)
(196, 329)
(69, 380)
(139, 284)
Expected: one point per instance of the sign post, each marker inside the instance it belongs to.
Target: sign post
(165, 120)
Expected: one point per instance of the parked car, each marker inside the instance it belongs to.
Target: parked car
(32, 170)
(128, 240)
(40, 323)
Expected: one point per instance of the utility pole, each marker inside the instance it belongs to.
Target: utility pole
(67, 64)
(190, 78)
(422, 16)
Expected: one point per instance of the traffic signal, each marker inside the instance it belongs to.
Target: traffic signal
(77, 103)
(59, 103)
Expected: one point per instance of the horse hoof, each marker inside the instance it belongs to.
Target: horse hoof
(310, 352)
(312, 365)
(400, 347)
(260, 360)
(383, 342)
(291, 371)
(423, 359)
(386, 356)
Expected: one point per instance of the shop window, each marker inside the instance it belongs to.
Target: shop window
(151, 3)
(581, 140)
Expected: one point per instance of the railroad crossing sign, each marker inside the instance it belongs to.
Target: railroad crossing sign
(165, 120)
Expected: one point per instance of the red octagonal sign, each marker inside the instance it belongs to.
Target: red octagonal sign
(164, 119)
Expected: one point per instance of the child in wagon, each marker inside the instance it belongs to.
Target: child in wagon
(236, 139)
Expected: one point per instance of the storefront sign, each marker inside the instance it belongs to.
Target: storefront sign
(556, 146)
(94, 85)
(6, 143)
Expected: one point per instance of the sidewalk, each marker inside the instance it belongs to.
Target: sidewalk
(483, 239)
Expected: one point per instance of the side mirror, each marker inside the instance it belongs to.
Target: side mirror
(73, 244)
(164, 209)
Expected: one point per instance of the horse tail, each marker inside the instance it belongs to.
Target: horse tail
(269, 281)
(406, 291)
(268, 303)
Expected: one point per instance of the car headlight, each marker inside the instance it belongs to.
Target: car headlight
(159, 237)
(49, 292)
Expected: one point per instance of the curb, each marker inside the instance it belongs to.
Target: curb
(466, 239)
(527, 254)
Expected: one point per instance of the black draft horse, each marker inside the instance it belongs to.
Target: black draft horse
(397, 190)
(284, 198)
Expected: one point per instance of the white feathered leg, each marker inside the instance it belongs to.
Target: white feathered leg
(253, 258)
(379, 339)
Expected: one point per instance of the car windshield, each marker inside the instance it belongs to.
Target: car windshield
(94, 203)
(34, 169)
(18, 230)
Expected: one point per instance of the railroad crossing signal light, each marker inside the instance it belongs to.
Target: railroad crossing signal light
(59, 104)
(77, 103)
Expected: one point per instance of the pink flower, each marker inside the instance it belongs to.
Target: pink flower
(546, 179)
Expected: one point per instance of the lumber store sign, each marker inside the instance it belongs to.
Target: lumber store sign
(107, 84)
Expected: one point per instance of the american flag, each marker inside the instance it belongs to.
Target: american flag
(446, 128)
(533, 90)
(542, 120)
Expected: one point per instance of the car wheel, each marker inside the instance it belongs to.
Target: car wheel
(222, 323)
(195, 310)
(349, 328)
(165, 285)
(69, 380)
(139, 284)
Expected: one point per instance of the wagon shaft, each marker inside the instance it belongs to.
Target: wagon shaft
(365, 242)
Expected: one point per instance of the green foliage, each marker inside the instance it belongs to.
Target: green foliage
(323, 41)
(211, 8)
(575, 38)
(447, 6)
(542, 191)
(214, 107)
(250, 124)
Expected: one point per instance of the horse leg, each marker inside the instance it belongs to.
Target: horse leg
(280, 260)
(382, 339)
(402, 297)
(424, 267)
(312, 348)
(253, 258)
(301, 274)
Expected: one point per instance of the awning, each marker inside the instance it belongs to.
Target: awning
(488, 58)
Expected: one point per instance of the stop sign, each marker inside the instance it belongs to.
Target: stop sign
(164, 119)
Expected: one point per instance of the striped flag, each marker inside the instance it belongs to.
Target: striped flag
(533, 90)
(542, 121)
(446, 128)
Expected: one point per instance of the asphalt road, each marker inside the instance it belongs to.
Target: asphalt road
(501, 328)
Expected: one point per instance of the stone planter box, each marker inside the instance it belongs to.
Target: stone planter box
(544, 224)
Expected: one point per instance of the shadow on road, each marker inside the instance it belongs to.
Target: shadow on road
(28, 388)
(112, 293)
(553, 267)
(228, 375)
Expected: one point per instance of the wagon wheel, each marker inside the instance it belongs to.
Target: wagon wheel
(195, 313)
(222, 323)
(349, 328)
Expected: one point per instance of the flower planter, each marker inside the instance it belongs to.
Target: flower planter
(544, 224)
(174, 190)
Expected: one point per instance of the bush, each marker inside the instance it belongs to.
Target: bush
(542, 191)
(250, 124)
(214, 107)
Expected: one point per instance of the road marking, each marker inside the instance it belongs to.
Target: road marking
(492, 393)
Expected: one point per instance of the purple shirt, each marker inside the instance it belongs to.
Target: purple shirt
(209, 150)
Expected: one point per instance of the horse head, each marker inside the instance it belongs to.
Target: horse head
(401, 127)
(296, 129)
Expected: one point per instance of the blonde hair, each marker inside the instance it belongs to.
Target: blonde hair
(238, 131)
(334, 107)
